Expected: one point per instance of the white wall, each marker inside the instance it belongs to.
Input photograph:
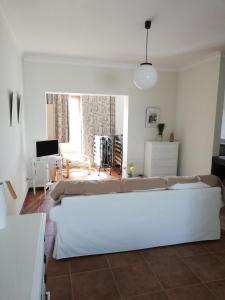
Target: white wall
(12, 154)
(222, 135)
(196, 114)
(56, 76)
(119, 112)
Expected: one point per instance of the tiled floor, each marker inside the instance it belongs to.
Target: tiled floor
(181, 272)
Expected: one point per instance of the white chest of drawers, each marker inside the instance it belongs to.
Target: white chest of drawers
(22, 257)
(160, 158)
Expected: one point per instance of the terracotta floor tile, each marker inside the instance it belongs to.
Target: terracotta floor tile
(123, 259)
(57, 267)
(33, 202)
(220, 255)
(197, 292)
(32, 207)
(172, 272)
(215, 246)
(135, 279)
(150, 254)
(94, 285)
(218, 289)
(222, 233)
(88, 263)
(154, 296)
(207, 267)
(185, 250)
(60, 288)
(222, 222)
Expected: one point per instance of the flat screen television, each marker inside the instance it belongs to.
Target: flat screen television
(47, 147)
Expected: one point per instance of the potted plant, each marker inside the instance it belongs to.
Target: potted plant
(131, 169)
(160, 127)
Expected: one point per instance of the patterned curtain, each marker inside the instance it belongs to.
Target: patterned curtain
(98, 114)
(61, 105)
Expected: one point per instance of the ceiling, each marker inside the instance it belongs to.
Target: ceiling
(113, 30)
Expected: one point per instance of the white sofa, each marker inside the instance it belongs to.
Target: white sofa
(96, 224)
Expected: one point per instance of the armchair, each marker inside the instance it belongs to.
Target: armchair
(73, 159)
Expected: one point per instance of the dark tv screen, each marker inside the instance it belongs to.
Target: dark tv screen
(45, 148)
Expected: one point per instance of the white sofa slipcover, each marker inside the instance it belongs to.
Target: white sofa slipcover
(96, 224)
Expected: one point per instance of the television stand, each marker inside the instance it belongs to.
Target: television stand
(41, 169)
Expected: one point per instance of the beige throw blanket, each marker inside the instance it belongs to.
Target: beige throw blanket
(95, 187)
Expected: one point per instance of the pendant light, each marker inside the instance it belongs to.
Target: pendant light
(145, 76)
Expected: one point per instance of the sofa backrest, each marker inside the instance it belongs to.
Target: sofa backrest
(95, 187)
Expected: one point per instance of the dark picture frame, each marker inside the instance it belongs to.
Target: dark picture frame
(152, 117)
(18, 100)
(10, 107)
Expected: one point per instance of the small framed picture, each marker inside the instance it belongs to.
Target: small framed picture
(18, 108)
(152, 116)
(10, 107)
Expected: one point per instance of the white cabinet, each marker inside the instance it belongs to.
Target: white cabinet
(160, 158)
(41, 169)
(22, 258)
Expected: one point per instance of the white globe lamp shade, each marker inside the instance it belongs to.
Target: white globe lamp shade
(145, 76)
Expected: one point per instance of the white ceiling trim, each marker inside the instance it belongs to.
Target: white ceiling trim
(53, 59)
(7, 24)
(200, 62)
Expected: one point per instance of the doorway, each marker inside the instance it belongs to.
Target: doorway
(82, 123)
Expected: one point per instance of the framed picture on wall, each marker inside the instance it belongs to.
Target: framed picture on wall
(152, 116)
(18, 106)
(10, 107)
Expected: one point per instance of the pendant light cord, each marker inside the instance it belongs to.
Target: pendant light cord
(146, 54)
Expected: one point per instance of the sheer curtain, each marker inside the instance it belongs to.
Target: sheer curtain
(58, 105)
(75, 123)
(98, 118)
